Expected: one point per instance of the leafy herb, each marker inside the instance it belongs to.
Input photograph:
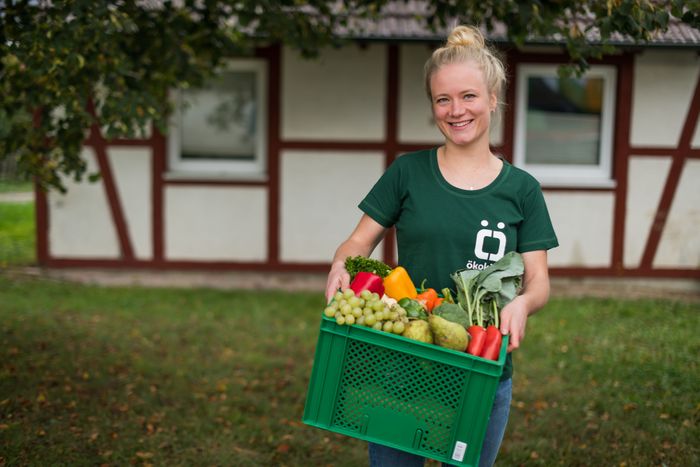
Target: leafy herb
(482, 294)
(355, 264)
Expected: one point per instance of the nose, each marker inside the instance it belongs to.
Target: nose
(457, 108)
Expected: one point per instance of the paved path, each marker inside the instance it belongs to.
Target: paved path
(674, 289)
(17, 197)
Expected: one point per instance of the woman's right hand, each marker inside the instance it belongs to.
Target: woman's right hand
(338, 278)
(362, 242)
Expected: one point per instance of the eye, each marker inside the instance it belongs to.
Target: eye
(441, 100)
(469, 96)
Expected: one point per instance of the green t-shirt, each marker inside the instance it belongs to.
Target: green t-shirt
(441, 229)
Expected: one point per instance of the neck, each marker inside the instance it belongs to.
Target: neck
(469, 156)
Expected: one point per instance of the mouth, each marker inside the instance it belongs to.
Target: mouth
(460, 124)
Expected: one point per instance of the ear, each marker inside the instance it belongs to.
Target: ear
(493, 102)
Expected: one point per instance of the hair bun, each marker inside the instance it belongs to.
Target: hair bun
(466, 36)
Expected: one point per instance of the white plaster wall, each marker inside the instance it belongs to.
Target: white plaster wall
(215, 223)
(584, 226)
(679, 246)
(80, 221)
(415, 119)
(646, 180)
(132, 170)
(341, 95)
(664, 82)
(319, 195)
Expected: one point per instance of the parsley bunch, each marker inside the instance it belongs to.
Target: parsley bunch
(355, 264)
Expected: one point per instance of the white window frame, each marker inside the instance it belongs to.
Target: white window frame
(217, 168)
(565, 175)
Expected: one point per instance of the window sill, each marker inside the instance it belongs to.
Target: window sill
(215, 177)
(577, 183)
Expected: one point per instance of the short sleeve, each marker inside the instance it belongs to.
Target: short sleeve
(536, 231)
(383, 202)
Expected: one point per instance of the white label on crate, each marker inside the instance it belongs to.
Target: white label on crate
(459, 451)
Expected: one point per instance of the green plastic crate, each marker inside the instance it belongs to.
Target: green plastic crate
(387, 389)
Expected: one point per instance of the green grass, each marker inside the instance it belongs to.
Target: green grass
(17, 234)
(121, 376)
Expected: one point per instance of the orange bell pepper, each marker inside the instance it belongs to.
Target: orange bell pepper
(427, 298)
(398, 284)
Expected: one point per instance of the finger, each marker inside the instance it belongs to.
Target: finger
(340, 283)
(505, 324)
(329, 295)
(514, 339)
(344, 281)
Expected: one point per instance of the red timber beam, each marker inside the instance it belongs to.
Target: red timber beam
(99, 145)
(679, 156)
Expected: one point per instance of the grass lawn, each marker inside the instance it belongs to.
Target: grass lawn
(17, 234)
(120, 376)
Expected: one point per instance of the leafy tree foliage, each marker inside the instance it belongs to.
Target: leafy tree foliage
(69, 65)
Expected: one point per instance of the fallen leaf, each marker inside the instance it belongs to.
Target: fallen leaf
(283, 448)
(664, 416)
(540, 405)
(144, 455)
(534, 455)
(629, 407)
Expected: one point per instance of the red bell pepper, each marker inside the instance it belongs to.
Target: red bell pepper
(476, 342)
(367, 281)
(492, 343)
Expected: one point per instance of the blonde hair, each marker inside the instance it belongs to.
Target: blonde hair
(466, 43)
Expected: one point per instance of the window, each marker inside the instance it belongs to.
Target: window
(564, 126)
(219, 129)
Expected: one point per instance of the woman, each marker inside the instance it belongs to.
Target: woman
(459, 206)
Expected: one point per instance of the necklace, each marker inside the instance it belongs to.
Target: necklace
(474, 175)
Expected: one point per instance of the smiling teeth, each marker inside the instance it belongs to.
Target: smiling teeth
(459, 124)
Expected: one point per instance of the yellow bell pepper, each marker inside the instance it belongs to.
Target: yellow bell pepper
(398, 284)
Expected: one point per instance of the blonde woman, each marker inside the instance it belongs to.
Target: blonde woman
(459, 206)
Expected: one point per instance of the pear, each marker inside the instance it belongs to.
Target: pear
(418, 330)
(448, 334)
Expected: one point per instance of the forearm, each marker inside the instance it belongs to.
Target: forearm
(349, 248)
(535, 294)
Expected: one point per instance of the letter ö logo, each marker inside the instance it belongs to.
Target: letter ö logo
(484, 233)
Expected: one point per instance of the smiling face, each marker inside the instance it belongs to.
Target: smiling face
(462, 103)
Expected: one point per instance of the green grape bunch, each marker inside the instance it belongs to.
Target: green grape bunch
(366, 310)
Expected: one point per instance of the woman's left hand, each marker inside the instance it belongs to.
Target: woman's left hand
(534, 295)
(513, 321)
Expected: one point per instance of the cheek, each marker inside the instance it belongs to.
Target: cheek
(438, 113)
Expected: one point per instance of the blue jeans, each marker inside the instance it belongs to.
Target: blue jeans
(383, 456)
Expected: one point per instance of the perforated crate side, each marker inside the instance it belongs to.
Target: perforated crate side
(413, 396)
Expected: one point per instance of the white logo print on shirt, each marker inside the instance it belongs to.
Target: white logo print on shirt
(482, 234)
